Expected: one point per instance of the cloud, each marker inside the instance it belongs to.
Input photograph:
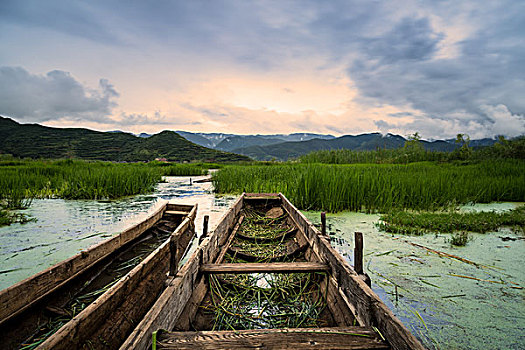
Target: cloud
(503, 122)
(473, 91)
(409, 40)
(73, 18)
(438, 67)
(55, 95)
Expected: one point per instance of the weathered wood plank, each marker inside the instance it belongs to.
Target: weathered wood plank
(295, 338)
(164, 314)
(338, 305)
(139, 287)
(176, 212)
(369, 310)
(26, 293)
(264, 267)
(224, 249)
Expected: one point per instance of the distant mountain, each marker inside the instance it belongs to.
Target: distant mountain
(209, 140)
(363, 142)
(302, 136)
(228, 142)
(143, 135)
(234, 142)
(37, 141)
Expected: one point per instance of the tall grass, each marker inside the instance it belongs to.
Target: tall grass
(380, 156)
(73, 180)
(380, 187)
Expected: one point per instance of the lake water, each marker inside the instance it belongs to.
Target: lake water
(437, 297)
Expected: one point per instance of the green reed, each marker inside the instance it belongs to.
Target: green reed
(286, 301)
(448, 222)
(380, 187)
(73, 180)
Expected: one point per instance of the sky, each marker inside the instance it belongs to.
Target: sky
(262, 67)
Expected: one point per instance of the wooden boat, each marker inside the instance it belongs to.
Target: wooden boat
(312, 298)
(95, 298)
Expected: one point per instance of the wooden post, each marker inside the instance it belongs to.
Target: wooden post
(191, 183)
(204, 228)
(358, 253)
(323, 223)
(174, 264)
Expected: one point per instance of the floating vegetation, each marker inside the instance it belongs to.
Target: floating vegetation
(262, 228)
(418, 223)
(258, 301)
(260, 252)
(264, 236)
(460, 238)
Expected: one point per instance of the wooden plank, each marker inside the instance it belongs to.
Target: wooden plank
(21, 296)
(142, 283)
(368, 308)
(294, 338)
(261, 195)
(168, 308)
(183, 323)
(224, 249)
(264, 267)
(176, 212)
(338, 305)
(180, 207)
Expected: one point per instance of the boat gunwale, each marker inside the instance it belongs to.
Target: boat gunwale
(160, 315)
(371, 311)
(12, 305)
(144, 267)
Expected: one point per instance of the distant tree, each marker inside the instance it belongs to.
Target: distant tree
(413, 147)
(413, 141)
(510, 148)
(464, 151)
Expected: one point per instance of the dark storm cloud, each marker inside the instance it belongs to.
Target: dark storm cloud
(410, 40)
(52, 96)
(69, 17)
(402, 68)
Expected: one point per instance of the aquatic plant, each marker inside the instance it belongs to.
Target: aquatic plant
(285, 301)
(448, 222)
(460, 238)
(380, 187)
(73, 180)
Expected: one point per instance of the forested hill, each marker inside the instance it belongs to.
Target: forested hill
(37, 141)
(363, 142)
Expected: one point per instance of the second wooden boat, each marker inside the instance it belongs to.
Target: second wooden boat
(94, 299)
(309, 297)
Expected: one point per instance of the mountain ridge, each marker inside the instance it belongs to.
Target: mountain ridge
(38, 141)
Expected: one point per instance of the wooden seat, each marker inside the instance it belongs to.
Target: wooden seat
(175, 212)
(296, 338)
(264, 267)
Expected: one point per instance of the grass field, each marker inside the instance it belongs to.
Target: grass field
(381, 187)
(23, 180)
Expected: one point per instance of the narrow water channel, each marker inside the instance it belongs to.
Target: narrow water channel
(62, 228)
